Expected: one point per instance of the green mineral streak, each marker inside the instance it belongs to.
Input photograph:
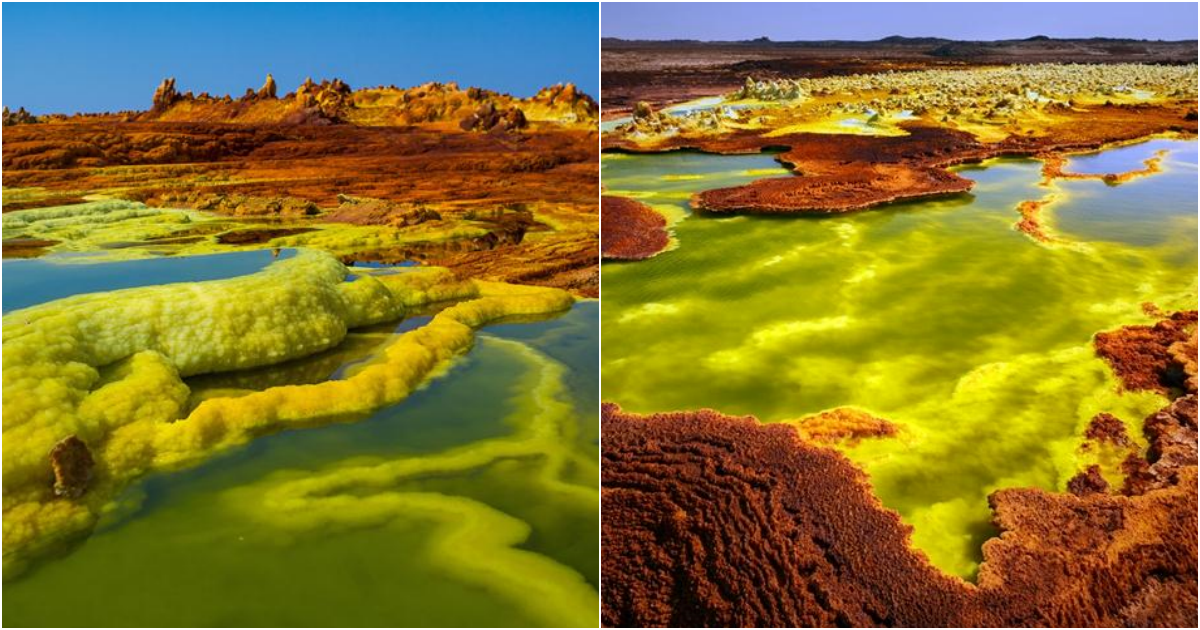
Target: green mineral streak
(936, 315)
(473, 503)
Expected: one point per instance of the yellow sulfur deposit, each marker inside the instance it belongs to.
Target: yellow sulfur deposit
(107, 368)
(115, 229)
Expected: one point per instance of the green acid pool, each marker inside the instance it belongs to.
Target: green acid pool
(472, 503)
(936, 315)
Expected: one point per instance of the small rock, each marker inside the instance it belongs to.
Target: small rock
(73, 464)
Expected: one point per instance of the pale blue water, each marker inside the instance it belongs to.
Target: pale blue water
(1145, 211)
(33, 281)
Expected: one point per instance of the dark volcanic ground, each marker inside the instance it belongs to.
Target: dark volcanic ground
(665, 72)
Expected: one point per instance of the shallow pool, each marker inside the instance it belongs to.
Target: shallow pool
(473, 502)
(32, 281)
(936, 315)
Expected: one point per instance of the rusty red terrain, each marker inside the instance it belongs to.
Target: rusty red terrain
(711, 520)
(1158, 358)
(308, 171)
(631, 230)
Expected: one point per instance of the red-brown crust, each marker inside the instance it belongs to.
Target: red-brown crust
(711, 520)
(1154, 358)
(841, 173)
(1031, 219)
(1107, 428)
(630, 230)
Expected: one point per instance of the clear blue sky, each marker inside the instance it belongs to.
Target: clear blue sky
(108, 57)
(875, 20)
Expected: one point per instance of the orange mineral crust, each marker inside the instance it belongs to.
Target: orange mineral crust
(843, 425)
(1031, 219)
(841, 173)
(712, 520)
(631, 229)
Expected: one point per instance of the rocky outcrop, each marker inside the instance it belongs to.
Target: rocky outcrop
(72, 463)
(363, 211)
(1183, 353)
(255, 236)
(771, 90)
(1108, 429)
(1091, 481)
(328, 98)
(247, 205)
(1031, 219)
(489, 118)
(840, 190)
(333, 101)
(19, 117)
(164, 96)
(1158, 358)
(268, 88)
(568, 101)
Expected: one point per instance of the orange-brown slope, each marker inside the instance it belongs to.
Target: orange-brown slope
(310, 162)
(286, 170)
(630, 230)
(839, 173)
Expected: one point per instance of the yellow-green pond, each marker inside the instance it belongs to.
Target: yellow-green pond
(939, 316)
(472, 502)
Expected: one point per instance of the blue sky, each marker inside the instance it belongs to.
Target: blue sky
(874, 20)
(108, 57)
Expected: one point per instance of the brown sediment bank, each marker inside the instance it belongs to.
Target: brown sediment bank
(26, 247)
(55, 200)
(1157, 358)
(631, 229)
(1031, 219)
(253, 236)
(840, 173)
(1055, 167)
(711, 520)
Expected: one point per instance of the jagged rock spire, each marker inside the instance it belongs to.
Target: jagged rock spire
(165, 95)
(268, 88)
